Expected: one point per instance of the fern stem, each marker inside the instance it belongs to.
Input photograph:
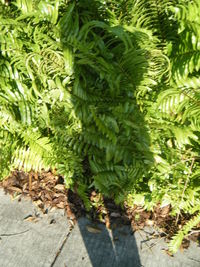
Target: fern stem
(191, 98)
(193, 232)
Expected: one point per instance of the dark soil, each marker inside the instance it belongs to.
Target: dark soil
(48, 190)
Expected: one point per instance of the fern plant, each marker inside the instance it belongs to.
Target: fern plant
(110, 62)
(172, 110)
(31, 60)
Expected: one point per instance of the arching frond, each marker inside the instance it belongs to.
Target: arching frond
(178, 238)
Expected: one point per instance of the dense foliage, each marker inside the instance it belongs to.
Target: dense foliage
(105, 93)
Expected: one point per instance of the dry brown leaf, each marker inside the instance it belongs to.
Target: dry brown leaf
(57, 195)
(62, 198)
(165, 211)
(16, 189)
(31, 219)
(38, 202)
(48, 196)
(107, 219)
(149, 222)
(60, 205)
(36, 176)
(60, 187)
(55, 201)
(115, 215)
(69, 212)
(24, 187)
(93, 229)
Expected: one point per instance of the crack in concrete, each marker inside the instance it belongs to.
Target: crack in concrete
(15, 233)
(61, 247)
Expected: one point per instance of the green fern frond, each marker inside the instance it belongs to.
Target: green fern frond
(185, 53)
(154, 16)
(82, 191)
(37, 143)
(169, 100)
(176, 241)
(27, 160)
(35, 152)
(7, 146)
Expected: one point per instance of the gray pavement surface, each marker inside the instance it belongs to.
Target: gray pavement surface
(29, 238)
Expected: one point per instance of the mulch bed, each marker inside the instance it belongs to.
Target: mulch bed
(48, 190)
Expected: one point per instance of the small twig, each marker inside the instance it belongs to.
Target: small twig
(36, 176)
(145, 242)
(185, 186)
(194, 259)
(15, 233)
(191, 98)
(162, 232)
(159, 238)
(30, 181)
(193, 232)
(155, 243)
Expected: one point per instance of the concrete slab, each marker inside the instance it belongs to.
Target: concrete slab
(25, 242)
(120, 248)
(104, 249)
(152, 253)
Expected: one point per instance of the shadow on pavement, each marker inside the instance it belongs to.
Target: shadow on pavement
(91, 243)
(108, 248)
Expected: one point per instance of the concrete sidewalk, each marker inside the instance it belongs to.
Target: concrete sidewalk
(29, 238)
